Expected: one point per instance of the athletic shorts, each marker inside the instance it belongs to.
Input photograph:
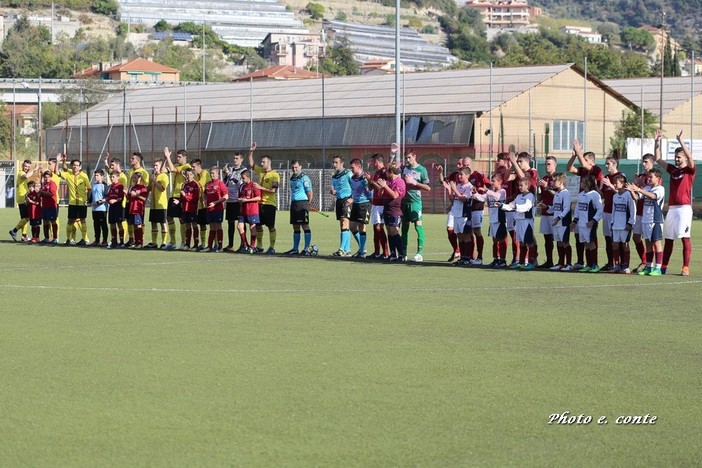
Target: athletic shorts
(411, 211)
(561, 234)
(450, 220)
(250, 220)
(49, 214)
(621, 235)
(188, 218)
(157, 216)
(232, 211)
(461, 225)
(202, 216)
(360, 213)
(115, 214)
(377, 214)
(35, 222)
(24, 211)
(607, 224)
(587, 234)
(175, 210)
(678, 221)
(524, 229)
(77, 212)
(510, 222)
(135, 220)
(652, 231)
(497, 231)
(546, 225)
(267, 215)
(300, 212)
(392, 221)
(637, 225)
(343, 209)
(476, 219)
(215, 216)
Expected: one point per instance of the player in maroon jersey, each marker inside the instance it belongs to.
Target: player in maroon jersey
(452, 177)
(394, 188)
(49, 207)
(608, 191)
(136, 207)
(504, 169)
(33, 200)
(249, 198)
(678, 221)
(521, 165)
(216, 195)
(380, 239)
(641, 180)
(115, 211)
(547, 190)
(481, 183)
(190, 199)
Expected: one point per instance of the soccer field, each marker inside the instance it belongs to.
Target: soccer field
(136, 358)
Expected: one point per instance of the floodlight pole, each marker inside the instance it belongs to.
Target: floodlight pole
(41, 127)
(663, 42)
(14, 120)
(398, 136)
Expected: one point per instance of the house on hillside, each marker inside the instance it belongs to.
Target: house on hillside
(661, 38)
(138, 69)
(296, 49)
(504, 13)
(279, 72)
(583, 32)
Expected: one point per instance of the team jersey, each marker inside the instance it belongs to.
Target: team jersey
(608, 193)
(624, 210)
(523, 206)
(300, 186)
(98, 192)
(547, 194)
(214, 191)
(159, 198)
(190, 197)
(681, 181)
(116, 192)
(270, 181)
(122, 179)
(179, 179)
(137, 205)
(560, 207)
(641, 180)
(596, 172)
(249, 191)
(478, 180)
(418, 173)
(203, 178)
(653, 209)
(233, 182)
(49, 195)
(492, 197)
(22, 187)
(341, 182)
(460, 208)
(393, 206)
(359, 189)
(378, 198)
(144, 175)
(33, 200)
(589, 207)
(78, 186)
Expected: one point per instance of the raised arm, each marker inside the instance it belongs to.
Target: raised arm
(657, 150)
(251, 155)
(686, 151)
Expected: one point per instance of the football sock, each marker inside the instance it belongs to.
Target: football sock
(58, 227)
(625, 257)
(346, 240)
(522, 254)
(154, 235)
(405, 235)
(259, 236)
(308, 238)
(188, 235)
(659, 259)
(667, 251)
(126, 228)
(183, 229)
(130, 231)
(609, 250)
(687, 251)
(171, 230)
(515, 245)
(113, 233)
(254, 238)
(230, 233)
(561, 254)
(502, 244)
(479, 245)
(568, 250)
(220, 237)
(357, 238)
(362, 241)
(21, 225)
(641, 250)
(196, 236)
(548, 246)
(211, 238)
(69, 231)
(203, 232)
(242, 235)
(580, 250)
(420, 237)
(46, 231)
(453, 240)
(296, 240)
(165, 236)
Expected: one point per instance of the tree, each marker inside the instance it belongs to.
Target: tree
(630, 127)
(162, 26)
(638, 39)
(105, 7)
(341, 60)
(315, 10)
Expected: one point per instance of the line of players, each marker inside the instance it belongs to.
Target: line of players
(515, 191)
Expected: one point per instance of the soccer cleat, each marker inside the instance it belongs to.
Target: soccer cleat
(195, 249)
(94, 244)
(595, 269)
(645, 272)
(82, 243)
(242, 249)
(54, 242)
(476, 262)
(45, 240)
(292, 252)
(110, 246)
(624, 271)
(556, 268)
(339, 253)
(685, 271)
(216, 249)
(546, 265)
(528, 267)
(138, 246)
(182, 247)
(258, 249)
(228, 249)
(515, 266)
(163, 247)
(454, 256)
(13, 234)
(206, 249)
(639, 268)
(655, 272)
(306, 253)
(200, 248)
(585, 269)
(577, 267)
(150, 245)
(607, 268)
(664, 271)
(418, 257)
(270, 251)
(401, 259)
(615, 269)
(376, 256)
(567, 268)
(391, 258)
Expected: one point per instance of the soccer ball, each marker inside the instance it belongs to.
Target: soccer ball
(314, 250)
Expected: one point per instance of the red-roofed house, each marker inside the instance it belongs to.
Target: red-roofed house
(279, 72)
(138, 69)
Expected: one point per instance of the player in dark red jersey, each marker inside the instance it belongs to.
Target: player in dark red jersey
(394, 188)
(380, 239)
(678, 221)
(216, 195)
(521, 165)
(608, 190)
(481, 183)
(190, 201)
(33, 200)
(587, 168)
(249, 197)
(136, 199)
(504, 169)
(452, 177)
(115, 212)
(49, 207)
(547, 190)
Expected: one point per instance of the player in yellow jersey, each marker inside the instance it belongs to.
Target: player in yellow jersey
(268, 181)
(202, 177)
(79, 186)
(159, 204)
(175, 210)
(21, 193)
(136, 163)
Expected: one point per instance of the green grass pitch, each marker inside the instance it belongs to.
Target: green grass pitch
(142, 358)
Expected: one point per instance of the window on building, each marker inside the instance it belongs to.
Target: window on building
(565, 131)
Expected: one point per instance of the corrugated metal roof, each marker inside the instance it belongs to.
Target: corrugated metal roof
(430, 93)
(676, 91)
